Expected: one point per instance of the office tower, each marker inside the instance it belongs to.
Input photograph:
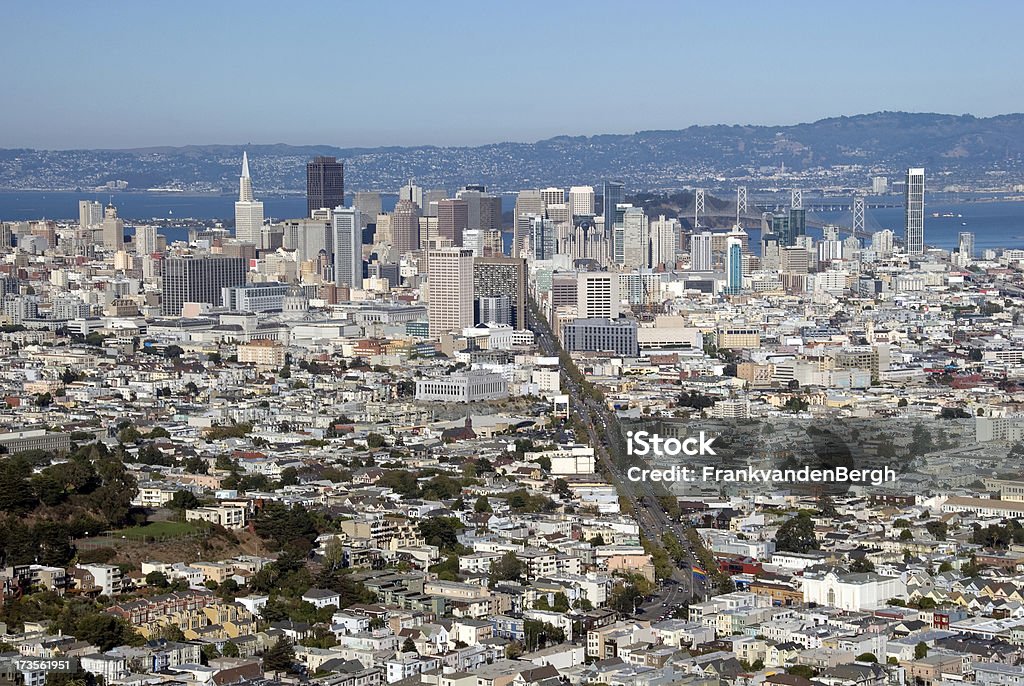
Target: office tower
(494, 243)
(852, 248)
(521, 233)
(307, 237)
(529, 202)
(405, 227)
(614, 195)
(581, 201)
(90, 214)
(636, 239)
(794, 260)
(965, 254)
(411, 191)
(145, 240)
(490, 212)
(429, 235)
(248, 210)
(450, 290)
(113, 229)
(879, 185)
(496, 309)
(192, 278)
(664, 240)
(325, 184)
(552, 196)
(830, 233)
(797, 224)
(914, 205)
(734, 265)
(474, 240)
(430, 199)
(382, 229)
(559, 212)
(770, 256)
(452, 219)
(701, 252)
(368, 204)
(499, 275)
(348, 247)
(882, 242)
(543, 243)
(597, 295)
(471, 194)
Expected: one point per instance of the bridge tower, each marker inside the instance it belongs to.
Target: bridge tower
(796, 199)
(698, 207)
(858, 214)
(741, 203)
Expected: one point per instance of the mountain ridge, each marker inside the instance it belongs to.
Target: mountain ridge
(966, 145)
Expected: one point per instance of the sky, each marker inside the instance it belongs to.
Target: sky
(120, 74)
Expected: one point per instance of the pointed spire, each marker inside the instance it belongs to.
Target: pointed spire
(245, 181)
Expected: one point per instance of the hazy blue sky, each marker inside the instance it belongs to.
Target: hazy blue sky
(122, 74)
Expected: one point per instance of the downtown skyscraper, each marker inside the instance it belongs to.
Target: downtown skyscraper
(348, 247)
(248, 210)
(914, 208)
(614, 194)
(450, 290)
(325, 184)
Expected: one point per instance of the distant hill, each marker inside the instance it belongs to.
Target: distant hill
(965, 146)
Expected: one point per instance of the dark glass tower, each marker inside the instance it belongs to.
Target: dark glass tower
(613, 195)
(325, 184)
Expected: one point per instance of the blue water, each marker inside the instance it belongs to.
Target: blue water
(998, 224)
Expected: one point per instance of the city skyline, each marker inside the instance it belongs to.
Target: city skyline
(132, 90)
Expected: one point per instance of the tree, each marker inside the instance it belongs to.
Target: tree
(409, 646)
(289, 476)
(507, 568)
(183, 500)
(920, 650)
(796, 535)
(482, 505)
(906, 535)
(374, 441)
(158, 579)
(442, 532)
(279, 657)
(945, 567)
(866, 657)
(230, 650)
(862, 565)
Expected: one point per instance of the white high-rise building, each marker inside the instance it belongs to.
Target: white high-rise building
(248, 210)
(474, 240)
(145, 240)
(90, 214)
(965, 253)
(348, 247)
(597, 295)
(636, 238)
(882, 243)
(914, 235)
(552, 196)
(450, 290)
(701, 254)
(664, 239)
(113, 229)
(411, 191)
(581, 201)
(879, 185)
